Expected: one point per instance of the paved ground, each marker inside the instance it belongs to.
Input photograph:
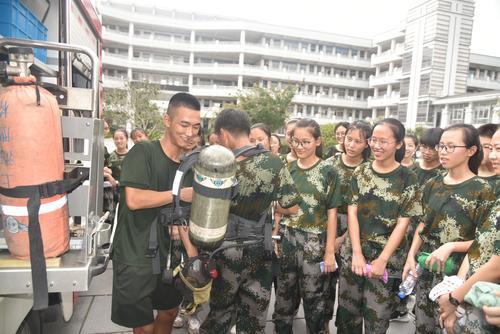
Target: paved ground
(93, 311)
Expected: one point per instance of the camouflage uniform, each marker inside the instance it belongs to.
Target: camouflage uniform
(451, 213)
(243, 288)
(494, 182)
(345, 174)
(115, 161)
(485, 245)
(303, 248)
(380, 200)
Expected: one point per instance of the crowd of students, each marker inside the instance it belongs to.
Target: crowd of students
(377, 207)
(378, 199)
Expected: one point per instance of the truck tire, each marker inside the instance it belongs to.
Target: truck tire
(32, 324)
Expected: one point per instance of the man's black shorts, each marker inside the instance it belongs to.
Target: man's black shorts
(137, 292)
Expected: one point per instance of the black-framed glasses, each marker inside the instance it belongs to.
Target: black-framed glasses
(450, 148)
(297, 143)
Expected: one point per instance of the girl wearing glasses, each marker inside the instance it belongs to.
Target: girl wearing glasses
(309, 236)
(382, 197)
(454, 205)
(483, 258)
(356, 151)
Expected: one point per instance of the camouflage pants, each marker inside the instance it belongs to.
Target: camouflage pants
(301, 278)
(426, 311)
(473, 322)
(363, 298)
(241, 291)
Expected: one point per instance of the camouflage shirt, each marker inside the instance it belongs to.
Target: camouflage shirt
(494, 182)
(452, 212)
(487, 241)
(319, 187)
(115, 161)
(262, 178)
(381, 199)
(424, 175)
(345, 174)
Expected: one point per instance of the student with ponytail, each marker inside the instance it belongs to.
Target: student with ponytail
(382, 197)
(455, 204)
(308, 259)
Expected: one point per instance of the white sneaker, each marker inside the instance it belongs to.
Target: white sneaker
(194, 324)
(179, 320)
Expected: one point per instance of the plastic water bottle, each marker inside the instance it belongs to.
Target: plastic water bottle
(407, 286)
(384, 278)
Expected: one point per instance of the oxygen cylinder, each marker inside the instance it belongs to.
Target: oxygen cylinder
(214, 183)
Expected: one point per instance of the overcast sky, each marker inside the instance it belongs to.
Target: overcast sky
(360, 18)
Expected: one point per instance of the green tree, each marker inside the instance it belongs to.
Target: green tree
(328, 135)
(268, 106)
(134, 103)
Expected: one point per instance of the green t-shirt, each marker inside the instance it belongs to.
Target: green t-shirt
(381, 199)
(262, 178)
(147, 167)
(487, 240)
(424, 175)
(494, 182)
(345, 174)
(452, 212)
(319, 187)
(115, 162)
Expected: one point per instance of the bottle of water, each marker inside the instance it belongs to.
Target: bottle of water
(407, 286)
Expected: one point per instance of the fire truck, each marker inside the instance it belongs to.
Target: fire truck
(66, 38)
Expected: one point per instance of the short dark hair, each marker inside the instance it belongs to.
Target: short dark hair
(314, 130)
(235, 121)
(185, 100)
(431, 137)
(398, 131)
(471, 138)
(122, 130)
(487, 130)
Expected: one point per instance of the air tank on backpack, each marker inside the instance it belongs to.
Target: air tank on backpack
(213, 188)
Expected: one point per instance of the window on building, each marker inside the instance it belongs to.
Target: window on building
(407, 57)
(354, 52)
(457, 113)
(405, 87)
(427, 57)
(425, 81)
(481, 113)
(341, 51)
(402, 110)
(422, 110)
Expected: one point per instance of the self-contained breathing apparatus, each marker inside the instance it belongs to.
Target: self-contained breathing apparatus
(211, 227)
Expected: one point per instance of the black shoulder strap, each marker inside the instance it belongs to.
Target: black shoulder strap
(249, 151)
(34, 194)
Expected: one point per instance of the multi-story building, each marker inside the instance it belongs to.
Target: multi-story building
(419, 73)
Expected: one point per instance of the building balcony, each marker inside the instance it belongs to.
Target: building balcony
(214, 91)
(214, 69)
(388, 56)
(386, 78)
(334, 100)
(484, 83)
(156, 42)
(305, 56)
(383, 101)
(113, 82)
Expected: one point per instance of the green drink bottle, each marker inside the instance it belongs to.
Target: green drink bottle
(449, 265)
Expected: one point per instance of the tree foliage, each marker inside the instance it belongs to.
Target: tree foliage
(134, 103)
(328, 135)
(265, 105)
